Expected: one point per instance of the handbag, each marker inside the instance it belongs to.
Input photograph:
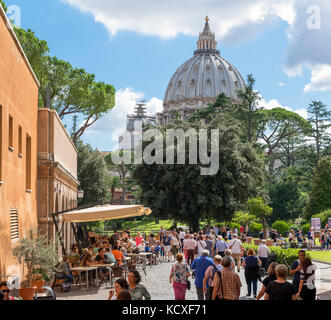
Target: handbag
(221, 284)
(188, 284)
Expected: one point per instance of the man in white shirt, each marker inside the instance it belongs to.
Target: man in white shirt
(262, 252)
(236, 247)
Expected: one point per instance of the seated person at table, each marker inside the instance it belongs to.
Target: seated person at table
(157, 248)
(64, 267)
(87, 260)
(109, 256)
(100, 258)
(74, 256)
(141, 246)
(148, 248)
(119, 256)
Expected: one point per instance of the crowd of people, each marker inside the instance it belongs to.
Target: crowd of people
(212, 257)
(215, 261)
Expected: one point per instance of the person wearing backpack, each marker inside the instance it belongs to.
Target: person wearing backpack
(208, 281)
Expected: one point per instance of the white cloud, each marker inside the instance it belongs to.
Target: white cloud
(168, 18)
(274, 103)
(232, 21)
(281, 84)
(310, 44)
(113, 124)
(320, 79)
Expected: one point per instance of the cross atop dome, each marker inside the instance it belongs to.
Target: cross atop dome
(207, 41)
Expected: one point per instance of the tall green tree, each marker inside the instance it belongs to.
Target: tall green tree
(92, 175)
(320, 119)
(70, 91)
(285, 201)
(223, 104)
(246, 110)
(320, 195)
(276, 126)
(180, 192)
(258, 208)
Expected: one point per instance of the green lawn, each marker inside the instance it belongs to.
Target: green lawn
(321, 255)
(147, 225)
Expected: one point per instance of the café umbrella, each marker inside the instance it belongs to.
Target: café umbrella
(105, 213)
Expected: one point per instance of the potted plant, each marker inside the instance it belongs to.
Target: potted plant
(39, 257)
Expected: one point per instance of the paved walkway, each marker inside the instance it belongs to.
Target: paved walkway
(157, 283)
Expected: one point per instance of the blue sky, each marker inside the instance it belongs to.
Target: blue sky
(136, 61)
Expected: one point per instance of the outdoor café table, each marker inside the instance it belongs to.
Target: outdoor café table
(143, 255)
(87, 270)
(109, 265)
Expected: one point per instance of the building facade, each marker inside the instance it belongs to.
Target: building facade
(57, 174)
(18, 144)
(200, 80)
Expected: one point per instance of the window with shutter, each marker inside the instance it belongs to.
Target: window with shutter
(14, 234)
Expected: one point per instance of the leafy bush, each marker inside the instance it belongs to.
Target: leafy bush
(290, 255)
(255, 227)
(281, 226)
(305, 228)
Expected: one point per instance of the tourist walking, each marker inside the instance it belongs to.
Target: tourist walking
(189, 247)
(251, 265)
(209, 246)
(137, 290)
(201, 244)
(271, 277)
(221, 246)
(307, 289)
(280, 289)
(200, 265)
(263, 251)
(167, 245)
(236, 247)
(208, 281)
(229, 285)
(311, 239)
(179, 275)
(175, 243)
(295, 269)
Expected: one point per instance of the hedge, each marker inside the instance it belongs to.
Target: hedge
(291, 255)
(255, 227)
(281, 227)
(305, 228)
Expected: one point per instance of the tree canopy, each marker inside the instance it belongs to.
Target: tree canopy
(70, 91)
(93, 175)
(319, 197)
(180, 191)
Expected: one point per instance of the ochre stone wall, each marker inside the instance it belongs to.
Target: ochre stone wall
(19, 99)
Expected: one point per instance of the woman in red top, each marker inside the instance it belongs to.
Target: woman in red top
(139, 238)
